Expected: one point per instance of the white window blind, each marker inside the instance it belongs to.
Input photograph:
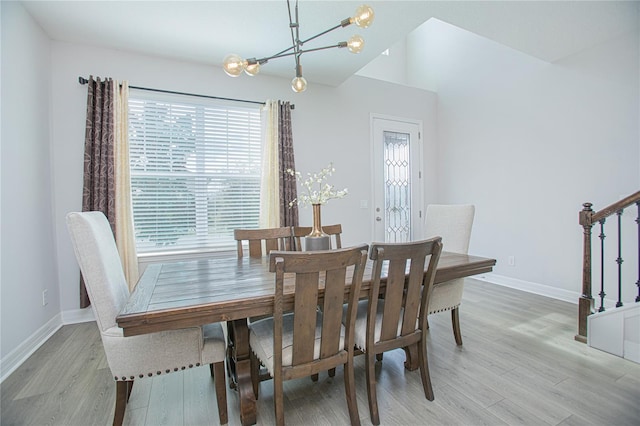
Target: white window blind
(195, 171)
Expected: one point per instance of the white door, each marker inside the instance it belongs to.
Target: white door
(397, 179)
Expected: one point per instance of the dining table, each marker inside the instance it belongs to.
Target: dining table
(181, 294)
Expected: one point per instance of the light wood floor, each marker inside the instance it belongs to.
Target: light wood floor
(519, 365)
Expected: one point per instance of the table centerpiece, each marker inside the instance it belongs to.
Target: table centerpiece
(316, 192)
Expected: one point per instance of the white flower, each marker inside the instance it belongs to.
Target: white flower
(316, 190)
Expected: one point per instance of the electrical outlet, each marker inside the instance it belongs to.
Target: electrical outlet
(511, 261)
(45, 300)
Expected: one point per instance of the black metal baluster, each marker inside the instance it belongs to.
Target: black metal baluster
(638, 222)
(619, 259)
(602, 294)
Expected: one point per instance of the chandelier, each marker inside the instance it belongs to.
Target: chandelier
(234, 65)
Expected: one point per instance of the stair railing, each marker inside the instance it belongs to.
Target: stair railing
(588, 218)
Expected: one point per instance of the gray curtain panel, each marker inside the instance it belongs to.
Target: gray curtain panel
(98, 192)
(288, 191)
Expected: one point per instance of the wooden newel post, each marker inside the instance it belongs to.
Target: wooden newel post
(585, 303)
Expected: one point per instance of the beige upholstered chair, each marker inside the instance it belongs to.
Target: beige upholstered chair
(335, 231)
(262, 241)
(453, 223)
(135, 357)
(388, 319)
(308, 340)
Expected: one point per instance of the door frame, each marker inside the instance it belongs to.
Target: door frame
(417, 194)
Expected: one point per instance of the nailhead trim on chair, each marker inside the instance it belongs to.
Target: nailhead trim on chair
(444, 309)
(158, 373)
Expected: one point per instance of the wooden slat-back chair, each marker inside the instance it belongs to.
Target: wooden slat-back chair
(334, 231)
(262, 241)
(388, 320)
(335, 242)
(300, 340)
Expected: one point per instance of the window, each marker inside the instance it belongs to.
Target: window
(195, 171)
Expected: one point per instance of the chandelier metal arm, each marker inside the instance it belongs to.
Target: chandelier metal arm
(295, 39)
(266, 59)
(340, 25)
(294, 26)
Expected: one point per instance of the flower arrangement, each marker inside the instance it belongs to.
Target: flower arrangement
(316, 189)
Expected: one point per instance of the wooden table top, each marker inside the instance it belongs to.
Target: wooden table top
(176, 295)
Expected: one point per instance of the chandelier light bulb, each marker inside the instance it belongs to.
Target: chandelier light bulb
(252, 69)
(355, 44)
(364, 16)
(299, 84)
(233, 65)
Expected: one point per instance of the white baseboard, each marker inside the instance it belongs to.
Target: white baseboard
(531, 287)
(77, 316)
(15, 358)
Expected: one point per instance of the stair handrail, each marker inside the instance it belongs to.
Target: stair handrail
(587, 218)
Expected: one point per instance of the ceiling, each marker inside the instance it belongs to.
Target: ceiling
(206, 31)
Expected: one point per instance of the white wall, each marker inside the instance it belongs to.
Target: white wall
(329, 124)
(391, 67)
(29, 261)
(528, 142)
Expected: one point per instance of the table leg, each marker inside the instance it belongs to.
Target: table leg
(411, 363)
(239, 365)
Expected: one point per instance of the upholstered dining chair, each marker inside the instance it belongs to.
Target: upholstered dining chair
(334, 231)
(262, 241)
(452, 222)
(303, 340)
(387, 320)
(135, 357)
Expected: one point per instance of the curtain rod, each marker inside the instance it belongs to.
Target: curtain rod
(83, 81)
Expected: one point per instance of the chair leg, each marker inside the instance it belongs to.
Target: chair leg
(424, 369)
(350, 390)
(129, 389)
(278, 398)
(123, 390)
(221, 391)
(379, 356)
(314, 377)
(455, 321)
(332, 372)
(371, 388)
